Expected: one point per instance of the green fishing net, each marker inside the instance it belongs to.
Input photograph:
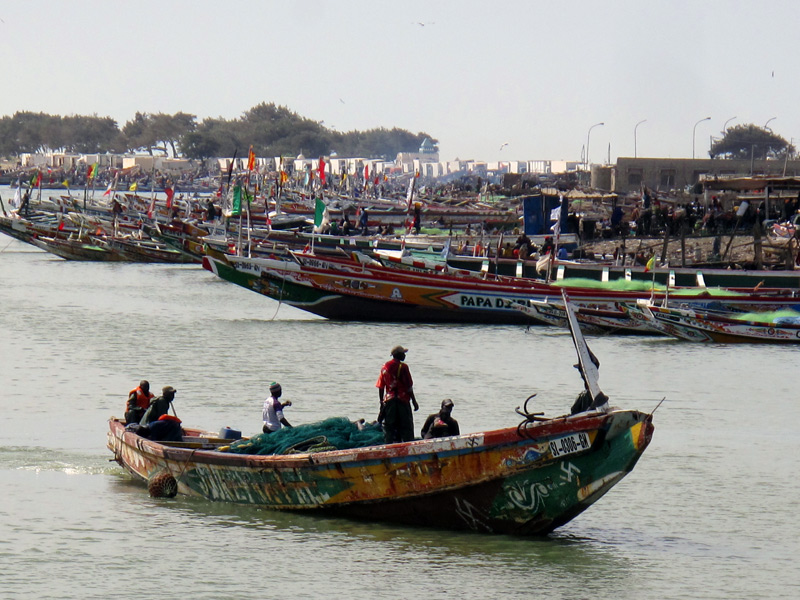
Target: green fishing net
(335, 433)
(623, 285)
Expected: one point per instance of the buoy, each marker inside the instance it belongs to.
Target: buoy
(162, 485)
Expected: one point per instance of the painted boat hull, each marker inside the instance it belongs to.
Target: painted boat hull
(698, 326)
(349, 290)
(509, 481)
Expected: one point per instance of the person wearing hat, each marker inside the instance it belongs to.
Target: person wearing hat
(159, 406)
(138, 401)
(441, 424)
(396, 393)
(273, 410)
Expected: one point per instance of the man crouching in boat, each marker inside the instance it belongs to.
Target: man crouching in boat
(396, 392)
(273, 410)
(159, 406)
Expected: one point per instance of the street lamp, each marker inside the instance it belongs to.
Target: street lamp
(725, 127)
(587, 142)
(694, 130)
(768, 122)
(634, 136)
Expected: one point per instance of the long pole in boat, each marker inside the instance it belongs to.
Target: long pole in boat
(409, 199)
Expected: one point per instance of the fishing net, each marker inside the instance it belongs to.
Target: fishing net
(779, 317)
(336, 433)
(623, 285)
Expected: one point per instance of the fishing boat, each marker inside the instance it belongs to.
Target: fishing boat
(526, 479)
(360, 288)
(726, 328)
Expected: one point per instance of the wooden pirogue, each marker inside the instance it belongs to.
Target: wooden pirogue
(524, 481)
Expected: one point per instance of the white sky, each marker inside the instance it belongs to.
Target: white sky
(535, 75)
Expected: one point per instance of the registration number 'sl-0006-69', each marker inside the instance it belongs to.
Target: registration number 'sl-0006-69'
(569, 444)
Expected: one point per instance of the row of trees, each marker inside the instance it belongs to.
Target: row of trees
(750, 142)
(271, 130)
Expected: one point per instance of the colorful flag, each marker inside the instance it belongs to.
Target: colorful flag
(284, 177)
(92, 171)
(322, 170)
(108, 189)
(236, 209)
(170, 193)
(650, 264)
(251, 159)
(134, 187)
(152, 208)
(33, 179)
(66, 183)
(366, 172)
(39, 180)
(319, 212)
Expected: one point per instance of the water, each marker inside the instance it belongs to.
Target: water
(709, 511)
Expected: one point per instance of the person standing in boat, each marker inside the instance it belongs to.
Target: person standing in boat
(138, 402)
(396, 393)
(441, 424)
(159, 406)
(273, 410)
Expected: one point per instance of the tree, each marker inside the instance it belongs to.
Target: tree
(750, 141)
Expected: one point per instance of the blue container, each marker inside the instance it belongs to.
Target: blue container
(226, 433)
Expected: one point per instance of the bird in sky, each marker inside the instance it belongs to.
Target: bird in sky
(503, 145)
(340, 100)
(421, 24)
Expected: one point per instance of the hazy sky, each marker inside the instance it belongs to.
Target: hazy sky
(474, 75)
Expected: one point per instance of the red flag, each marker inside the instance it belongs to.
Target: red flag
(39, 180)
(170, 193)
(322, 170)
(61, 226)
(366, 172)
(251, 159)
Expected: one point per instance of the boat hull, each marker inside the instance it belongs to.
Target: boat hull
(525, 481)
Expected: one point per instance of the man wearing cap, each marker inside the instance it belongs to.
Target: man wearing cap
(159, 406)
(441, 424)
(396, 392)
(273, 410)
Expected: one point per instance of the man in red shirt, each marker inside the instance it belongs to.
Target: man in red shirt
(396, 392)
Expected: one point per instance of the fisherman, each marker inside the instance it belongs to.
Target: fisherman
(363, 222)
(138, 401)
(211, 210)
(396, 393)
(159, 406)
(273, 410)
(441, 424)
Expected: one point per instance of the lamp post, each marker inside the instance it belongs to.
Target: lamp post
(768, 122)
(694, 130)
(634, 136)
(589, 133)
(725, 127)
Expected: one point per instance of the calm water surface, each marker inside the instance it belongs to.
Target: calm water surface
(709, 512)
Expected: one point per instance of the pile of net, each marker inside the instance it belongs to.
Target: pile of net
(336, 433)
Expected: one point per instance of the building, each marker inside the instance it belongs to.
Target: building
(667, 174)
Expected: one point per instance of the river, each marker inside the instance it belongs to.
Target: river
(708, 512)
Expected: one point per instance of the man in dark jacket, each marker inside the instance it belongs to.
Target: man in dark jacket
(159, 406)
(441, 424)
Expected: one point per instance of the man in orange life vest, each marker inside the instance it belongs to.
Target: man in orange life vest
(396, 392)
(138, 402)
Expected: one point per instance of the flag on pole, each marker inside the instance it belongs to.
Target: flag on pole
(170, 193)
(236, 209)
(108, 189)
(92, 171)
(66, 183)
(319, 211)
(322, 170)
(39, 179)
(650, 264)
(410, 193)
(32, 182)
(134, 186)
(251, 159)
(152, 208)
